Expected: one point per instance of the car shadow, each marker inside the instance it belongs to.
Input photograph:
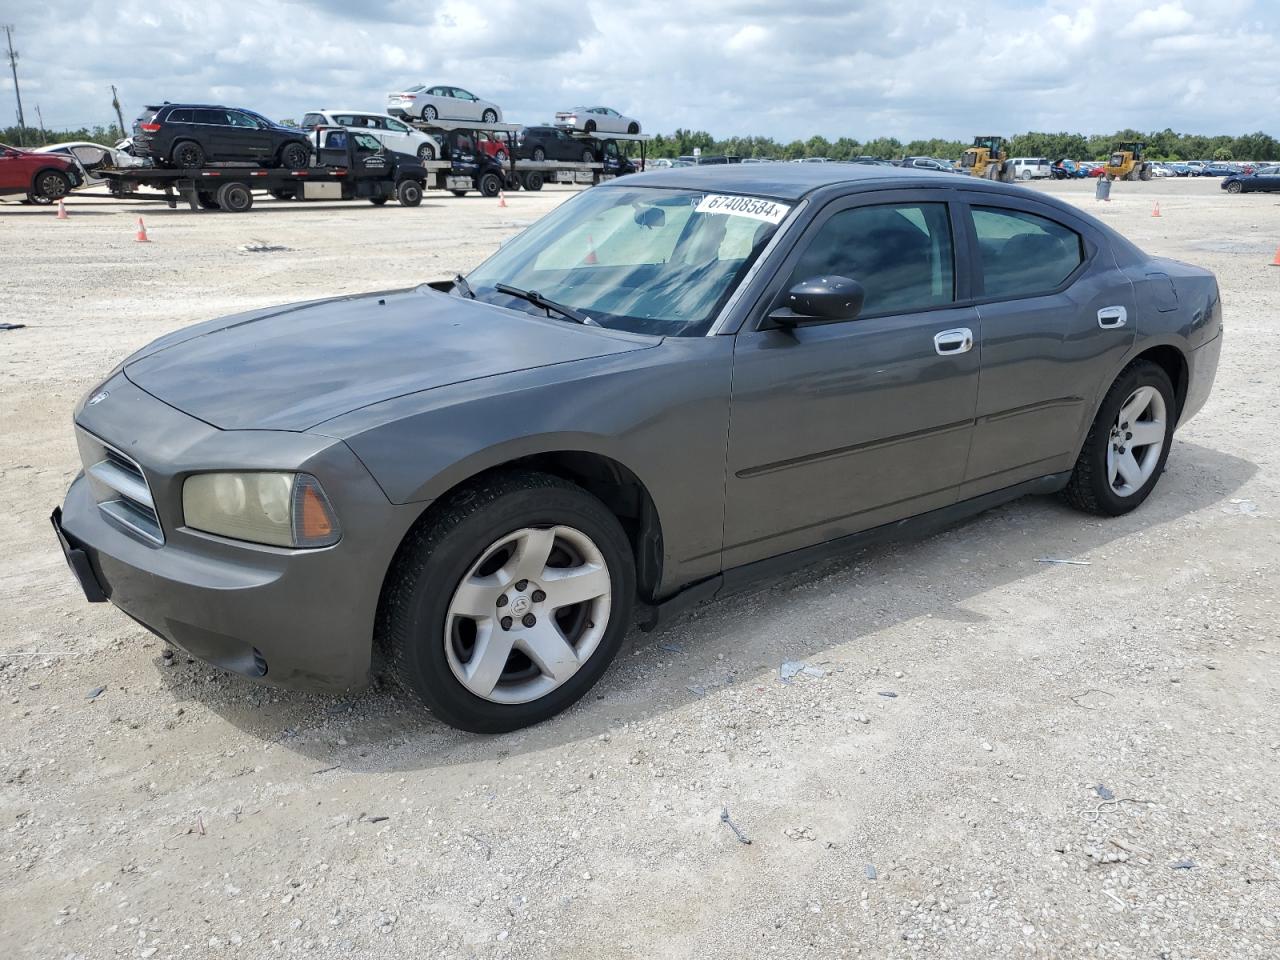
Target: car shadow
(733, 641)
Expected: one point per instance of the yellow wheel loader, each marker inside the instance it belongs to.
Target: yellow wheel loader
(1126, 163)
(989, 159)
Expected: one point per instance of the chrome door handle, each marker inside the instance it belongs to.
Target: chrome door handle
(1111, 317)
(948, 342)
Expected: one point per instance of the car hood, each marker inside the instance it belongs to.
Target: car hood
(294, 367)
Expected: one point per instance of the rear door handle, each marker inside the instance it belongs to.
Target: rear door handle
(1111, 317)
(948, 342)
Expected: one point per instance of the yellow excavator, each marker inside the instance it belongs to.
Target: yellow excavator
(989, 159)
(1126, 163)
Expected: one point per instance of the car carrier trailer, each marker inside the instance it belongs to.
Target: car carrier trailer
(348, 166)
(469, 167)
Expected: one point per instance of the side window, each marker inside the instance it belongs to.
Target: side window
(344, 119)
(181, 116)
(313, 120)
(395, 126)
(1023, 254)
(241, 120)
(215, 117)
(901, 253)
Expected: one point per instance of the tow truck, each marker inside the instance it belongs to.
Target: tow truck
(347, 165)
(469, 167)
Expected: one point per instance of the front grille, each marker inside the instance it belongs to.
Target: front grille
(120, 488)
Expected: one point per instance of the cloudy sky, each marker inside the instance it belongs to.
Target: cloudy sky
(782, 68)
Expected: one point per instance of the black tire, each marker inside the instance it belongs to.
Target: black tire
(489, 116)
(207, 200)
(1090, 487)
(284, 193)
(459, 193)
(490, 185)
(235, 197)
(409, 193)
(50, 186)
(294, 156)
(436, 555)
(379, 201)
(539, 154)
(589, 126)
(533, 180)
(1145, 173)
(1235, 187)
(430, 113)
(426, 153)
(187, 155)
(588, 156)
(633, 128)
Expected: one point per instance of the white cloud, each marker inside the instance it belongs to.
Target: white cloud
(859, 68)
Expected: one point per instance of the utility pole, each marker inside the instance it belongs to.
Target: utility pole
(115, 102)
(13, 65)
(44, 134)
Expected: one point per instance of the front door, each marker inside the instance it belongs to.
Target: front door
(840, 427)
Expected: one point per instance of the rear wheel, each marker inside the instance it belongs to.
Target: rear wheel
(589, 126)
(50, 186)
(430, 113)
(489, 116)
(409, 193)
(378, 201)
(294, 156)
(539, 154)
(1128, 443)
(490, 185)
(235, 197)
(1145, 173)
(1235, 187)
(509, 605)
(207, 200)
(459, 193)
(187, 155)
(284, 193)
(633, 128)
(533, 180)
(426, 152)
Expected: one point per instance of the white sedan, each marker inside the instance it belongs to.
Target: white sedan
(92, 157)
(596, 120)
(393, 134)
(441, 103)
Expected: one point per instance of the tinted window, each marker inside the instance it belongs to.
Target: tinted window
(218, 117)
(242, 120)
(393, 125)
(313, 120)
(181, 116)
(900, 253)
(1023, 254)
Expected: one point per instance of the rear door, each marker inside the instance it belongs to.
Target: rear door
(1057, 318)
(15, 174)
(839, 427)
(213, 131)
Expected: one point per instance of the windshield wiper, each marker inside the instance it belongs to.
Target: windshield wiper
(538, 300)
(460, 284)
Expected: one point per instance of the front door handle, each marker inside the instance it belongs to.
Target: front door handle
(948, 342)
(1111, 317)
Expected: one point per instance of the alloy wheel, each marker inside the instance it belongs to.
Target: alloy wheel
(528, 614)
(1136, 440)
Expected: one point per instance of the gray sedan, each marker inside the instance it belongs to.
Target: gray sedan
(673, 384)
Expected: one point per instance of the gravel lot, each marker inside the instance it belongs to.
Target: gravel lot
(931, 786)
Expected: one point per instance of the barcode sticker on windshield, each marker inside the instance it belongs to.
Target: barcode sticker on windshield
(754, 207)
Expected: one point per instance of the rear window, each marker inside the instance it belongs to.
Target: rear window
(148, 114)
(313, 120)
(1023, 254)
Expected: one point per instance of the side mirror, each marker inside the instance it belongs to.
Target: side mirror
(827, 299)
(650, 217)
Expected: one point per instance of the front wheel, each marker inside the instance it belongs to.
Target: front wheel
(426, 153)
(294, 156)
(633, 128)
(489, 116)
(409, 193)
(50, 186)
(490, 185)
(1235, 187)
(508, 605)
(379, 201)
(539, 154)
(1128, 443)
(235, 197)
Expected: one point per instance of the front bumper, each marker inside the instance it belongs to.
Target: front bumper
(291, 618)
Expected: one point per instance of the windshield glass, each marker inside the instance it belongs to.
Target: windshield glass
(660, 262)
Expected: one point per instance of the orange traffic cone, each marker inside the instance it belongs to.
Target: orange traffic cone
(502, 198)
(1155, 212)
(591, 251)
(62, 211)
(1276, 261)
(142, 232)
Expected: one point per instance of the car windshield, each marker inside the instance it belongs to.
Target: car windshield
(652, 261)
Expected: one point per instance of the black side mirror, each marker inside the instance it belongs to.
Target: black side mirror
(827, 299)
(650, 217)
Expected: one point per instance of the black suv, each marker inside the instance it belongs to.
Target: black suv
(552, 143)
(186, 135)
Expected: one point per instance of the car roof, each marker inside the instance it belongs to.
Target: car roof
(784, 181)
(370, 113)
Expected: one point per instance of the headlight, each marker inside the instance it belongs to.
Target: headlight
(279, 509)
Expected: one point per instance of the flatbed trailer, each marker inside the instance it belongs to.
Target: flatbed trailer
(352, 171)
(470, 168)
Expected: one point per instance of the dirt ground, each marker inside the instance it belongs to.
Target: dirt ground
(933, 786)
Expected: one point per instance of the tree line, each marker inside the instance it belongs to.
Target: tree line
(1161, 145)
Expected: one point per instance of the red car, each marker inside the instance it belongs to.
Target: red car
(495, 146)
(41, 177)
